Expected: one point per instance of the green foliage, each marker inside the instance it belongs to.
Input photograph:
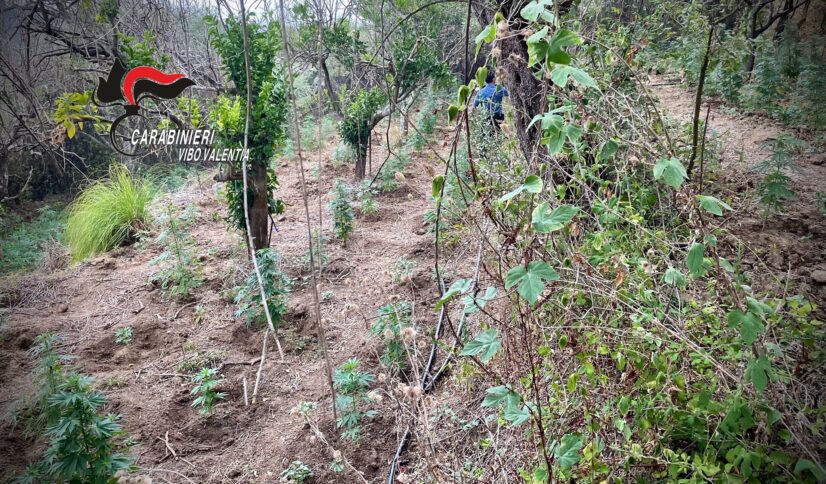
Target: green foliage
(342, 155)
(425, 122)
(342, 211)
(318, 250)
(24, 243)
(268, 117)
(351, 398)
(297, 472)
(180, 271)
(123, 336)
(367, 204)
(74, 109)
(141, 52)
(402, 270)
(774, 188)
(108, 213)
(395, 327)
(49, 373)
(206, 389)
(393, 172)
(359, 108)
(81, 447)
(276, 287)
(486, 345)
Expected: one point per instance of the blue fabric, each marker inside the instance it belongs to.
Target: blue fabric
(491, 97)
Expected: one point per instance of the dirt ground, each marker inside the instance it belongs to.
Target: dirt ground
(85, 304)
(145, 382)
(789, 247)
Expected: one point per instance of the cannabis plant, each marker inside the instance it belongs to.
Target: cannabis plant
(206, 385)
(342, 211)
(123, 336)
(351, 398)
(36, 414)
(297, 472)
(81, 447)
(180, 271)
(395, 328)
(774, 188)
(276, 287)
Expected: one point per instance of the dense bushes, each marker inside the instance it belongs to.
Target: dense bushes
(108, 213)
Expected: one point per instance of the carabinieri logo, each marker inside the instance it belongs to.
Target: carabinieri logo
(129, 88)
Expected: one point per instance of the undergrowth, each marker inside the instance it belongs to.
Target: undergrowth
(108, 213)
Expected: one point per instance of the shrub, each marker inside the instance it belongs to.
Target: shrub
(81, 447)
(206, 385)
(343, 155)
(108, 213)
(342, 211)
(367, 204)
(351, 398)
(276, 287)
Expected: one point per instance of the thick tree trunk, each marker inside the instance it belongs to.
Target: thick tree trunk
(526, 91)
(259, 209)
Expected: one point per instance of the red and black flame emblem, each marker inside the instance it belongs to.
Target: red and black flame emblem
(128, 88)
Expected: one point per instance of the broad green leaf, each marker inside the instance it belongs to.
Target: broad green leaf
(544, 222)
(474, 304)
(495, 396)
(758, 307)
(674, 277)
(561, 73)
(805, 465)
(671, 171)
(481, 75)
(566, 453)
(532, 183)
(70, 129)
(530, 280)
(694, 261)
(486, 35)
(452, 112)
(712, 205)
(564, 38)
(461, 97)
(459, 286)
(515, 415)
(751, 328)
(758, 372)
(438, 185)
(486, 344)
(534, 9)
(608, 149)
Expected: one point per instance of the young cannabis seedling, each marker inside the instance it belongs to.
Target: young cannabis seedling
(775, 189)
(367, 204)
(276, 286)
(297, 472)
(123, 336)
(318, 251)
(206, 384)
(351, 398)
(402, 270)
(395, 329)
(180, 273)
(342, 211)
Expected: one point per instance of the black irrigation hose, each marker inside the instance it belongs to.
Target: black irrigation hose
(427, 386)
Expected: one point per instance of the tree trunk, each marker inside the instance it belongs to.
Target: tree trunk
(259, 208)
(526, 91)
(361, 162)
(335, 103)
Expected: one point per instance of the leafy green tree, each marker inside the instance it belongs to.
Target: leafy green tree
(267, 124)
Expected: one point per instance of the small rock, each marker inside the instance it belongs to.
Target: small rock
(282, 218)
(819, 160)
(62, 308)
(420, 231)
(819, 276)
